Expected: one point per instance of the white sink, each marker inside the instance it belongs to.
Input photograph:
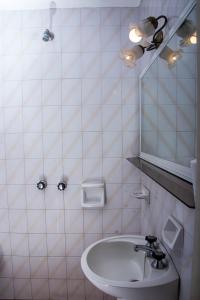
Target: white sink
(114, 267)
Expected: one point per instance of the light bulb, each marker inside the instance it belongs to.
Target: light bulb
(135, 35)
(193, 38)
(174, 57)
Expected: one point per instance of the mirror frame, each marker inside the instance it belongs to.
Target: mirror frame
(171, 167)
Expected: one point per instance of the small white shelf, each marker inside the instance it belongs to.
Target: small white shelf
(93, 193)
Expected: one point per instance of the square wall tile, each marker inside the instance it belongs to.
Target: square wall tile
(39, 267)
(74, 244)
(74, 270)
(90, 38)
(92, 91)
(112, 119)
(73, 170)
(13, 120)
(33, 145)
(71, 39)
(4, 222)
(58, 288)
(70, 17)
(112, 91)
(6, 288)
(131, 221)
(51, 66)
(74, 221)
(40, 288)
(71, 118)
(92, 144)
(51, 119)
(72, 197)
(53, 198)
(55, 221)
(32, 92)
(12, 93)
(110, 38)
(90, 16)
(91, 64)
(6, 268)
(31, 66)
(57, 267)
(112, 144)
(111, 65)
(53, 169)
(22, 288)
(5, 241)
(91, 118)
(38, 244)
(71, 91)
(72, 145)
(18, 221)
(51, 92)
(110, 16)
(71, 65)
(32, 119)
(16, 197)
(52, 145)
(130, 117)
(93, 221)
(76, 289)
(34, 198)
(92, 166)
(21, 266)
(56, 244)
(113, 196)
(112, 221)
(36, 221)
(14, 146)
(112, 170)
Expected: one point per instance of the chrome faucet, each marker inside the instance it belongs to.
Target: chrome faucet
(149, 250)
(152, 251)
(150, 247)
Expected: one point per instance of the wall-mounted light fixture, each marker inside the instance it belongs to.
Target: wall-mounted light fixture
(171, 56)
(139, 33)
(187, 31)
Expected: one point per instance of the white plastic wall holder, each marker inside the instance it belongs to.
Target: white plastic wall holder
(144, 193)
(172, 233)
(93, 193)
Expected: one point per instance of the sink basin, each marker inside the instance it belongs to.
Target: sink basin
(114, 267)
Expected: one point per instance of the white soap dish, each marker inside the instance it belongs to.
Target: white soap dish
(93, 193)
(172, 233)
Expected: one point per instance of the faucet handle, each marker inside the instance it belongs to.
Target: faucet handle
(151, 239)
(159, 261)
(158, 255)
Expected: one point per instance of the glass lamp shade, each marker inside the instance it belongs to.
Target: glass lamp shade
(171, 56)
(130, 56)
(187, 31)
(142, 30)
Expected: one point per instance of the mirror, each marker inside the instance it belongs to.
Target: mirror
(168, 101)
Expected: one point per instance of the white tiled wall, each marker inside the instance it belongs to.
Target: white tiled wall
(67, 108)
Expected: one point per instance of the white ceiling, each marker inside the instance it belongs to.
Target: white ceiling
(45, 4)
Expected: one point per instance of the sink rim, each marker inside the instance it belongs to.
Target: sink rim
(168, 275)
